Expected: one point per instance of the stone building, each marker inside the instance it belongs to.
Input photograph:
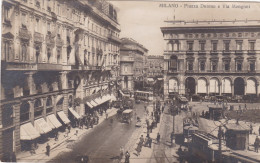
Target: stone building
(58, 57)
(132, 57)
(212, 57)
(155, 64)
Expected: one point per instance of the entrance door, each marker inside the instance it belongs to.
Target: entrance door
(7, 142)
(190, 85)
(239, 86)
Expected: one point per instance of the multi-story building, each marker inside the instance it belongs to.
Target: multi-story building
(58, 57)
(155, 64)
(212, 57)
(132, 60)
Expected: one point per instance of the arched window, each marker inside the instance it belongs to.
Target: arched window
(24, 112)
(38, 108)
(49, 105)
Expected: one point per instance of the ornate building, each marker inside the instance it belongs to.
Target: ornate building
(155, 64)
(212, 57)
(132, 58)
(59, 60)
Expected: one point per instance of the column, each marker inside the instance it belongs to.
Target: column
(31, 102)
(220, 88)
(196, 87)
(245, 88)
(1, 133)
(257, 88)
(44, 100)
(54, 98)
(30, 82)
(64, 80)
(232, 89)
(17, 144)
(207, 85)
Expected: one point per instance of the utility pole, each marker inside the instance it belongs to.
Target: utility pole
(220, 143)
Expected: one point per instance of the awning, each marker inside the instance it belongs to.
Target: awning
(28, 132)
(75, 114)
(89, 104)
(97, 89)
(42, 126)
(160, 79)
(93, 103)
(106, 98)
(150, 79)
(113, 97)
(98, 101)
(63, 117)
(53, 121)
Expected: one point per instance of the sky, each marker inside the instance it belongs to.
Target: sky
(141, 20)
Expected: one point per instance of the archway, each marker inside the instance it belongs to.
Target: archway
(173, 85)
(126, 82)
(239, 86)
(214, 86)
(251, 86)
(226, 86)
(202, 86)
(190, 85)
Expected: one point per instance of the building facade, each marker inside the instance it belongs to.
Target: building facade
(155, 65)
(132, 57)
(57, 57)
(212, 57)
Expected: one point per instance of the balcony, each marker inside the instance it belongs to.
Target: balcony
(38, 37)
(238, 52)
(50, 40)
(226, 52)
(173, 71)
(190, 52)
(49, 66)
(24, 34)
(114, 38)
(251, 52)
(202, 52)
(213, 52)
(126, 59)
(19, 66)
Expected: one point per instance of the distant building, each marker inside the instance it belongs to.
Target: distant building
(58, 57)
(132, 58)
(155, 66)
(212, 57)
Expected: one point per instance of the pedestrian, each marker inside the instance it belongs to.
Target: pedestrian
(33, 149)
(56, 135)
(150, 142)
(121, 153)
(256, 144)
(69, 127)
(251, 128)
(141, 140)
(127, 157)
(106, 115)
(48, 148)
(172, 136)
(162, 108)
(158, 138)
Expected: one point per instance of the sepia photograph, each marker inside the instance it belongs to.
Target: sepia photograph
(130, 81)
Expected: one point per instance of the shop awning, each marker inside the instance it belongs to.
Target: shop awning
(150, 79)
(106, 98)
(28, 132)
(98, 101)
(63, 117)
(97, 89)
(93, 103)
(113, 97)
(42, 126)
(52, 120)
(89, 104)
(75, 114)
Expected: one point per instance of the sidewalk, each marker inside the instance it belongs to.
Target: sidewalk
(62, 145)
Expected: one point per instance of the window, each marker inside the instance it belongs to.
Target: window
(38, 108)
(202, 46)
(239, 34)
(58, 9)
(58, 55)
(239, 45)
(23, 20)
(24, 112)
(214, 66)
(252, 66)
(251, 45)
(37, 53)
(226, 65)
(214, 46)
(49, 107)
(190, 66)
(202, 66)
(37, 25)
(49, 54)
(239, 65)
(48, 27)
(226, 46)
(190, 46)
(24, 52)
(6, 13)
(7, 50)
